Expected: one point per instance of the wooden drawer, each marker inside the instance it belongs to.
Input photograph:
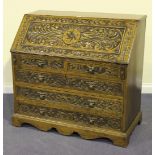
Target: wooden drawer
(70, 66)
(36, 61)
(68, 116)
(60, 99)
(71, 82)
(98, 69)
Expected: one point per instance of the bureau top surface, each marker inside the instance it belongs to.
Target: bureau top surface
(90, 36)
(89, 14)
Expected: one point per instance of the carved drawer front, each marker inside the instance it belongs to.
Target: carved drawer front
(106, 104)
(35, 61)
(105, 70)
(68, 116)
(77, 83)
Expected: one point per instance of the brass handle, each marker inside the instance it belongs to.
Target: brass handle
(91, 104)
(91, 84)
(41, 78)
(96, 69)
(41, 64)
(41, 95)
(91, 69)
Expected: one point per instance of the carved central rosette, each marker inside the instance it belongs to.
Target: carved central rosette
(99, 39)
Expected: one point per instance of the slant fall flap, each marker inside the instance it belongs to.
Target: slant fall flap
(98, 39)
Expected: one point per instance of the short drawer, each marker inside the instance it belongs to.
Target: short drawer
(37, 61)
(71, 82)
(75, 67)
(98, 69)
(108, 105)
(68, 116)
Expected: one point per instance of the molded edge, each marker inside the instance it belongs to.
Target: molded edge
(118, 138)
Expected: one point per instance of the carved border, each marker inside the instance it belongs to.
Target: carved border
(61, 98)
(118, 138)
(123, 57)
(69, 116)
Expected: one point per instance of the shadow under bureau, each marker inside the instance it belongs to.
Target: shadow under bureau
(79, 72)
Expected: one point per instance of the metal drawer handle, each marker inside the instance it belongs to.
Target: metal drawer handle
(42, 96)
(91, 69)
(96, 69)
(91, 84)
(41, 78)
(41, 64)
(91, 104)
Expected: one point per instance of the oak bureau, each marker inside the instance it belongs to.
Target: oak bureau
(79, 72)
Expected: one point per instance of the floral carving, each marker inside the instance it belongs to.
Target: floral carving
(71, 36)
(34, 60)
(114, 105)
(88, 120)
(100, 39)
(95, 69)
(58, 80)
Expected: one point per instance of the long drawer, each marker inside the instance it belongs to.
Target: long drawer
(70, 82)
(68, 100)
(71, 66)
(68, 116)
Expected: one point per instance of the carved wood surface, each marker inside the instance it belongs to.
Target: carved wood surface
(51, 113)
(88, 38)
(110, 105)
(88, 68)
(97, 70)
(78, 74)
(81, 37)
(59, 80)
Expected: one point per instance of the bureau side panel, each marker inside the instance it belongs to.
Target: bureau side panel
(134, 76)
(13, 61)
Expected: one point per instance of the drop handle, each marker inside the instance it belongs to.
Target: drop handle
(41, 78)
(91, 104)
(42, 96)
(41, 64)
(91, 69)
(91, 85)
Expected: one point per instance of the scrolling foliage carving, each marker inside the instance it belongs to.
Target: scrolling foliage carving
(88, 102)
(82, 37)
(48, 113)
(98, 39)
(58, 80)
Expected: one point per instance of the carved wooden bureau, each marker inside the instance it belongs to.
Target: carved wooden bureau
(79, 72)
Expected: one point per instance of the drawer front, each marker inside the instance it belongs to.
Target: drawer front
(59, 80)
(75, 67)
(109, 105)
(36, 61)
(105, 70)
(63, 115)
